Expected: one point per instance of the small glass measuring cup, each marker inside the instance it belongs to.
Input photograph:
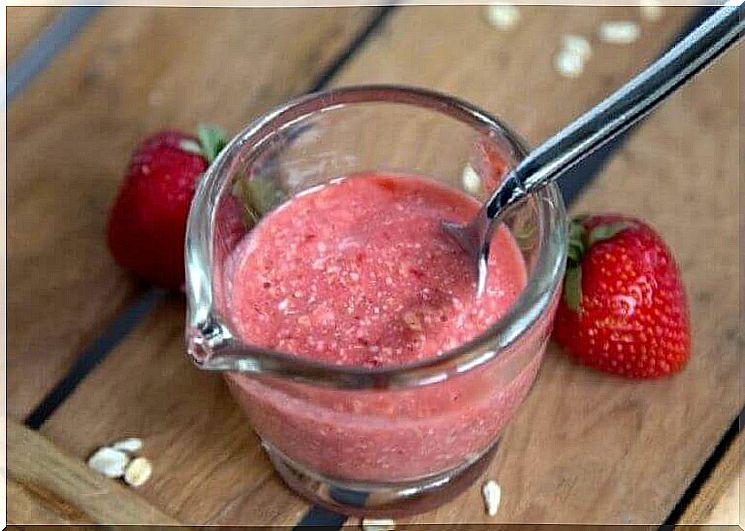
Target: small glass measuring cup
(391, 440)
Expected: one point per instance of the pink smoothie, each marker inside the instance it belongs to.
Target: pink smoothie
(359, 272)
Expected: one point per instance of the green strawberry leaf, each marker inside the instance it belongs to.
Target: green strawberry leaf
(576, 231)
(265, 194)
(573, 287)
(605, 232)
(212, 140)
(576, 248)
(580, 218)
(574, 253)
(259, 195)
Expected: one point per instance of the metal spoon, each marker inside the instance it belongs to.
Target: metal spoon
(597, 126)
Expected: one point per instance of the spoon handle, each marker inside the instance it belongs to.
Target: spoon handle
(621, 109)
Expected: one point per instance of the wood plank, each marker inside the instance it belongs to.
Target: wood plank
(588, 448)
(24, 506)
(550, 465)
(700, 132)
(721, 500)
(132, 71)
(46, 486)
(23, 24)
(197, 438)
(505, 72)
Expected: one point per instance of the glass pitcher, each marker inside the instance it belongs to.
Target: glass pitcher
(379, 441)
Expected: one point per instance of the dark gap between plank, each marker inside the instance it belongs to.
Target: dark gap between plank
(374, 25)
(39, 53)
(705, 472)
(322, 518)
(92, 356)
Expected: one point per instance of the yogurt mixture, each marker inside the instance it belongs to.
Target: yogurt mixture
(359, 272)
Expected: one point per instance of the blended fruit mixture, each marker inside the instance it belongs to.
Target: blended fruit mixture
(359, 272)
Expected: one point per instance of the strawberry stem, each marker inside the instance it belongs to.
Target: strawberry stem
(573, 276)
(573, 287)
(580, 241)
(605, 232)
(212, 140)
(576, 241)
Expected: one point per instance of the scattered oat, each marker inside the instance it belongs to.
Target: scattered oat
(577, 44)
(492, 497)
(471, 180)
(131, 445)
(619, 32)
(569, 64)
(138, 472)
(503, 17)
(109, 462)
(651, 10)
(378, 524)
(569, 61)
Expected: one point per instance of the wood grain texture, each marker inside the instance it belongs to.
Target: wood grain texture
(721, 500)
(23, 24)
(46, 486)
(25, 506)
(585, 448)
(209, 466)
(130, 72)
(509, 73)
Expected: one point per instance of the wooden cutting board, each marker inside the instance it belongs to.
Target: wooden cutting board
(585, 448)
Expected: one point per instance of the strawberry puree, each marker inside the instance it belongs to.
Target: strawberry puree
(359, 272)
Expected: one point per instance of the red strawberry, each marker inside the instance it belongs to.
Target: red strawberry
(147, 226)
(623, 309)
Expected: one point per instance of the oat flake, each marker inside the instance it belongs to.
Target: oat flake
(131, 445)
(503, 17)
(568, 63)
(109, 462)
(492, 497)
(471, 180)
(577, 44)
(138, 472)
(619, 32)
(651, 11)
